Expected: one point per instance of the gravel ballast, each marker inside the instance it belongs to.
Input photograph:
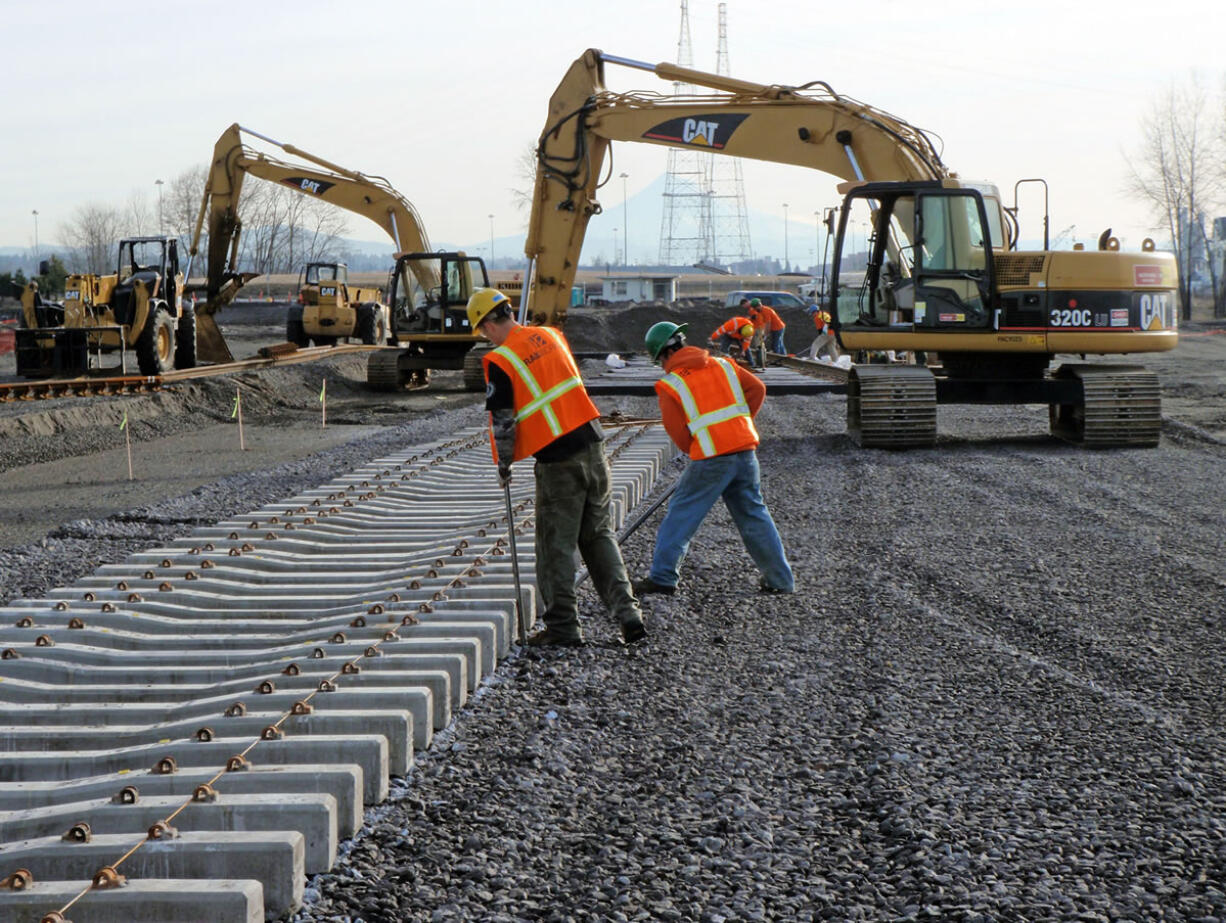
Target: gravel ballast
(996, 695)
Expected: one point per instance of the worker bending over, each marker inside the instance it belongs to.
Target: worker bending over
(707, 405)
(824, 341)
(769, 325)
(733, 336)
(538, 406)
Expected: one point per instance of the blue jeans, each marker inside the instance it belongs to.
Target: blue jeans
(776, 340)
(737, 479)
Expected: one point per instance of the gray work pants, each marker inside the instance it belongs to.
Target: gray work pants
(572, 514)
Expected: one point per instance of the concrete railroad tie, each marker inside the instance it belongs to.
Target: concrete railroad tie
(189, 733)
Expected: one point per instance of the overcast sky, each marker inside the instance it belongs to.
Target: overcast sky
(442, 98)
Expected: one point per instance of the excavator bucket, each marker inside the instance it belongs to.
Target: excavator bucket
(210, 344)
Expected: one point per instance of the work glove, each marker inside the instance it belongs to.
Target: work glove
(504, 475)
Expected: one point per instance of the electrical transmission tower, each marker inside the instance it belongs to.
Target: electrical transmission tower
(729, 218)
(685, 231)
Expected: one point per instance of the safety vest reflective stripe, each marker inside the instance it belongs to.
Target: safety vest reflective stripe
(541, 400)
(700, 424)
(545, 400)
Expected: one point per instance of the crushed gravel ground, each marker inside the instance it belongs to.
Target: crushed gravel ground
(996, 694)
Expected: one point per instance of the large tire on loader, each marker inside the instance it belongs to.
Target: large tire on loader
(474, 373)
(155, 347)
(294, 331)
(371, 328)
(185, 340)
(323, 341)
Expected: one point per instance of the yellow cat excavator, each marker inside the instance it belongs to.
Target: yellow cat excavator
(943, 273)
(428, 289)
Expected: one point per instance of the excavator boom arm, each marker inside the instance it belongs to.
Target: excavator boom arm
(810, 126)
(370, 196)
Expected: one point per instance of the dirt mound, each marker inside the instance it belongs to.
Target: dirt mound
(618, 328)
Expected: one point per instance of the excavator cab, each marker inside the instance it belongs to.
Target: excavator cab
(430, 291)
(927, 258)
(428, 299)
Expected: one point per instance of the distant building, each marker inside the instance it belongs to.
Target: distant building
(638, 288)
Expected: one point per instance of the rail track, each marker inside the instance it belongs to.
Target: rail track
(189, 733)
(110, 385)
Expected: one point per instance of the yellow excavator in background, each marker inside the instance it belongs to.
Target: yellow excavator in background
(428, 290)
(943, 273)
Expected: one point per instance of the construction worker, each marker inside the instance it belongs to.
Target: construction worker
(539, 407)
(737, 331)
(707, 405)
(769, 324)
(825, 340)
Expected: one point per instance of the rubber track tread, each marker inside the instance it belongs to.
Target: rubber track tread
(383, 370)
(892, 407)
(1123, 407)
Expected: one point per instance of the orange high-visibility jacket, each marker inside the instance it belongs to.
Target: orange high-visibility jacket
(550, 400)
(716, 412)
(821, 320)
(766, 318)
(732, 328)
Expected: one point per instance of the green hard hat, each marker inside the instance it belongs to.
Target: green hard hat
(659, 335)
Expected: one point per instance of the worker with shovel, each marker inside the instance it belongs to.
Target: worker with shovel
(539, 407)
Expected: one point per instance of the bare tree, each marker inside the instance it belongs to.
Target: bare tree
(525, 170)
(90, 234)
(283, 229)
(320, 232)
(139, 218)
(262, 216)
(1179, 170)
(182, 205)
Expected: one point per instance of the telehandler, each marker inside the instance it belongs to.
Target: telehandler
(139, 307)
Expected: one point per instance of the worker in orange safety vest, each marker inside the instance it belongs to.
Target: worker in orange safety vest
(768, 324)
(735, 332)
(538, 407)
(707, 406)
(825, 340)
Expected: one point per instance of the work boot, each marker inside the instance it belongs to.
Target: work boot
(551, 637)
(633, 630)
(646, 585)
(764, 587)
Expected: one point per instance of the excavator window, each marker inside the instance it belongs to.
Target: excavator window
(952, 233)
(325, 272)
(952, 278)
(455, 284)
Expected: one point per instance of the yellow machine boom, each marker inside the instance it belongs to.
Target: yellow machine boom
(940, 275)
(370, 196)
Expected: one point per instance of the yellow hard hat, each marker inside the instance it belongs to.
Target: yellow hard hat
(747, 330)
(483, 301)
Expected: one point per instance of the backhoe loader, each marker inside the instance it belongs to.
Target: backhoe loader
(944, 274)
(139, 308)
